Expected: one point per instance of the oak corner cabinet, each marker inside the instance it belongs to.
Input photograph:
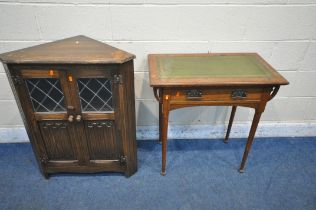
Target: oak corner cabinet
(76, 98)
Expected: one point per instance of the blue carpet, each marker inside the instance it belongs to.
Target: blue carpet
(201, 174)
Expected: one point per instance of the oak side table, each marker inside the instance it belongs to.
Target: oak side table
(221, 79)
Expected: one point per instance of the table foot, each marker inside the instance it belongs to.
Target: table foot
(241, 171)
(226, 141)
(163, 173)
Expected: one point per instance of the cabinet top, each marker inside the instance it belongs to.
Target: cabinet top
(76, 50)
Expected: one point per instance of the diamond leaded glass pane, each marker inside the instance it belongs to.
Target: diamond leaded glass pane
(46, 95)
(95, 94)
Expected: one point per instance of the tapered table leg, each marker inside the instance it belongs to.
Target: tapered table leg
(231, 119)
(164, 133)
(160, 122)
(252, 132)
(158, 96)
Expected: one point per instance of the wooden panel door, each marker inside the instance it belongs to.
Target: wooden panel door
(46, 102)
(97, 96)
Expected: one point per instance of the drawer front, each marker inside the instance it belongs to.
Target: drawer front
(210, 94)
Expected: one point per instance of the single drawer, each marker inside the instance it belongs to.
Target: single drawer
(216, 94)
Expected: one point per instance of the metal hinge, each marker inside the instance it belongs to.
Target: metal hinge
(123, 160)
(117, 79)
(17, 80)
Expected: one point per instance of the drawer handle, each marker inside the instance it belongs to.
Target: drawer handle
(239, 94)
(194, 94)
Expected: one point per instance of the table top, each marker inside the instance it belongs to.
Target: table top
(215, 69)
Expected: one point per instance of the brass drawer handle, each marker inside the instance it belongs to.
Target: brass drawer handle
(194, 94)
(239, 94)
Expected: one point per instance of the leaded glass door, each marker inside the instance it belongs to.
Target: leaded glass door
(97, 99)
(47, 102)
(76, 111)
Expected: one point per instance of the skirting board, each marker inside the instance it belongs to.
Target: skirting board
(239, 130)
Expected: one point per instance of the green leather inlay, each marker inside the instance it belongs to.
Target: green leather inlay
(211, 66)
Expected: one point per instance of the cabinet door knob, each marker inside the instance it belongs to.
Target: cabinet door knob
(78, 118)
(71, 118)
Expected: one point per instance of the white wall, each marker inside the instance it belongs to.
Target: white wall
(282, 31)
